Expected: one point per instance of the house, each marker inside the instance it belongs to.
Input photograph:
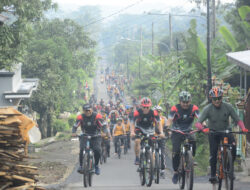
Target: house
(13, 88)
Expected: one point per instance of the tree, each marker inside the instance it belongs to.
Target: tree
(59, 55)
(14, 38)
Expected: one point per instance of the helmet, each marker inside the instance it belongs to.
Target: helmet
(184, 96)
(159, 108)
(119, 119)
(146, 102)
(215, 92)
(127, 107)
(86, 107)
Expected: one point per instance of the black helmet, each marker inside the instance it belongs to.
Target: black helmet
(184, 96)
(86, 107)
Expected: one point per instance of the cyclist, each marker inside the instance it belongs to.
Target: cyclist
(218, 113)
(91, 124)
(118, 132)
(181, 118)
(127, 129)
(112, 120)
(146, 118)
(162, 143)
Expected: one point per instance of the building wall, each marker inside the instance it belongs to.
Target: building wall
(5, 85)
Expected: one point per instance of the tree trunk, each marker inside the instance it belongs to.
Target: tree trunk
(49, 124)
(43, 124)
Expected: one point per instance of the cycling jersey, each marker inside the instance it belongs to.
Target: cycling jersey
(119, 130)
(146, 120)
(218, 118)
(127, 127)
(183, 118)
(90, 125)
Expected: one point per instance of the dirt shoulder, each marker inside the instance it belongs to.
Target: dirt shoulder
(55, 161)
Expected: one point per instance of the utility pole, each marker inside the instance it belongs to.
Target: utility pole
(152, 38)
(214, 19)
(140, 54)
(170, 31)
(127, 67)
(177, 46)
(209, 74)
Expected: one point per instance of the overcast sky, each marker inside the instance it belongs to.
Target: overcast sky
(109, 6)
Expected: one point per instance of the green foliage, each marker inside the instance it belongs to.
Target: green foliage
(15, 37)
(229, 38)
(59, 125)
(72, 120)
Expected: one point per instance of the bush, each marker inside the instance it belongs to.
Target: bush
(71, 120)
(59, 126)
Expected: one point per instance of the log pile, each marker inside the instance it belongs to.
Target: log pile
(15, 174)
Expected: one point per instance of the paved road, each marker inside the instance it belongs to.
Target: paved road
(120, 174)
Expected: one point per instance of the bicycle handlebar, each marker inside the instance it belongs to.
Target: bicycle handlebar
(184, 132)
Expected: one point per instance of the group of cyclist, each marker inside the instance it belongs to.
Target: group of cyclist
(113, 120)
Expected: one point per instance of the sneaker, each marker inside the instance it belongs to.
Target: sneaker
(175, 178)
(213, 179)
(80, 169)
(97, 170)
(137, 161)
(162, 174)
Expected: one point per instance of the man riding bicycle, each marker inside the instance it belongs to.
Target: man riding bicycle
(118, 133)
(181, 118)
(91, 124)
(218, 113)
(145, 118)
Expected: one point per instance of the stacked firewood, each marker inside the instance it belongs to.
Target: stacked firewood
(15, 173)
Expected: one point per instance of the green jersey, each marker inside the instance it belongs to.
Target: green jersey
(218, 118)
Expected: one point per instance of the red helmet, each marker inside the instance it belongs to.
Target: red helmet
(216, 92)
(146, 102)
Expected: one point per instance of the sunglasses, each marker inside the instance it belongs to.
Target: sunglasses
(88, 110)
(185, 102)
(145, 107)
(216, 98)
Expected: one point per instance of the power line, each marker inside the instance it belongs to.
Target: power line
(115, 13)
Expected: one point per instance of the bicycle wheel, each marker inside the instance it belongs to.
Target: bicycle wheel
(141, 169)
(181, 173)
(219, 172)
(157, 168)
(189, 171)
(85, 171)
(119, 149)
(149, 170)
(91, 169)
(228, 170)
(125, 146)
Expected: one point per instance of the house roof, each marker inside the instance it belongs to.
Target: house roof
(240, 58)
(24, 91)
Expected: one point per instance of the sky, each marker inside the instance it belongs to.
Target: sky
(141, 5)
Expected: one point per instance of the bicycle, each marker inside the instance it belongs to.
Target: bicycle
(118, 145)
(88, 160)
(126, 143)
(186, 166)
(104, 153)
(225, 164)
(146, 167)
(157, 159)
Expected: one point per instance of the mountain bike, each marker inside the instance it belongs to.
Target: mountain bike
(119, 143)
(88, 160)
(146, 167)
(126, 143)
(157, 159)
(104, 153)
(225, 164)
(186, 166)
